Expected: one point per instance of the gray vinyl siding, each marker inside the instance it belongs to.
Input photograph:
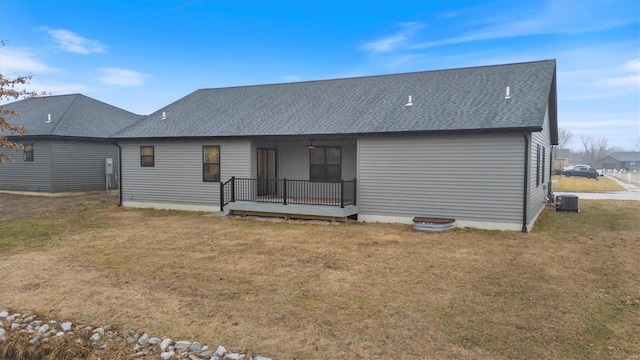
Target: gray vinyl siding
(176, 177)
(20, 175)
(79, 165)
(59, 166)
(537, 189)
(465, 177)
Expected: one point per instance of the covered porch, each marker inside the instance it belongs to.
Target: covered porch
(287, 198)
(296, 177)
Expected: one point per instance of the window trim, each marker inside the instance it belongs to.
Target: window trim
(538, 165)
(152, 156)
(544, 154)
(204, 164)
(324, 164)
(27, 152)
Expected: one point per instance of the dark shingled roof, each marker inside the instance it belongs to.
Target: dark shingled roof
(563, 153)
(626, 155)
(73, 115)
(443, 100)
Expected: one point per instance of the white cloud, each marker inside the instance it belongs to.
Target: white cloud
(122, 77)
(71, 42)
(632, 66)
(624, 76)
(292, 78)
(49, 89)
(59, 88)
(559, 17)
(392, 42)
(622, 81)
(21, 60)
(189, 3)
(401, 61)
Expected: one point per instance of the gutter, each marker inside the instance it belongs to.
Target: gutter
(119, 173)
(525, 185)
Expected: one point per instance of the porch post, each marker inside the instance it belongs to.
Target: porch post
(355, 189)
(284, 191)
(221, 195)
(233, 189)
(342, 193)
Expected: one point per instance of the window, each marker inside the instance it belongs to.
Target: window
(28, 152)
(325, 163)
(147, 157)
(211, 163)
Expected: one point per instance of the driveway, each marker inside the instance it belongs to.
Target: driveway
(632, 192)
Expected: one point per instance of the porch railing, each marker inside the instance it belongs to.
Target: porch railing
(285, 191)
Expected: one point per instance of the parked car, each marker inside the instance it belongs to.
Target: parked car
(582, 170)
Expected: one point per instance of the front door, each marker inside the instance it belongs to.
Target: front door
(267, 175)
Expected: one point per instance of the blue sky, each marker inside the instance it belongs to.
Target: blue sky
(143, 55)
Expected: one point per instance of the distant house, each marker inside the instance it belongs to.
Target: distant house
(628, 161)
(472, 144)
(66, 144)
(561, 158)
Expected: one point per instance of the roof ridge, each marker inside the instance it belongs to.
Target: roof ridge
(64, 115)
(376, 76)
(110, 105)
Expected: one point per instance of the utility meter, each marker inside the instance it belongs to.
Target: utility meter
(108, 166)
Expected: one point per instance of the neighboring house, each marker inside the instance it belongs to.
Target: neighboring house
(65, 146)
(561, 158)
(473, 144)
(628, 161)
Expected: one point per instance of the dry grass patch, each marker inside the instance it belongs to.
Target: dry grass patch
(59, 348)
(582, 184)
(303, 290)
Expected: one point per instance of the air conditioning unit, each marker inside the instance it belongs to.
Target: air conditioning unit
(567, 203)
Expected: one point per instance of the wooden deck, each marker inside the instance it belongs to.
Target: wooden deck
(292, 211)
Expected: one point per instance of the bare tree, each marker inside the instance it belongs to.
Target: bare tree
(11, 89)
(594, 149)
(564, 138)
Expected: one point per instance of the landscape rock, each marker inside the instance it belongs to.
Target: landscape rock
(95, 337)
(34, 340)
(141, 345)
(220, 351)
(44, 328)
(167, 355)
(165, 344)
(141, 354)
(144, 339)
(234, 356)
(181, 345)
(207, 354)
(66, 326)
